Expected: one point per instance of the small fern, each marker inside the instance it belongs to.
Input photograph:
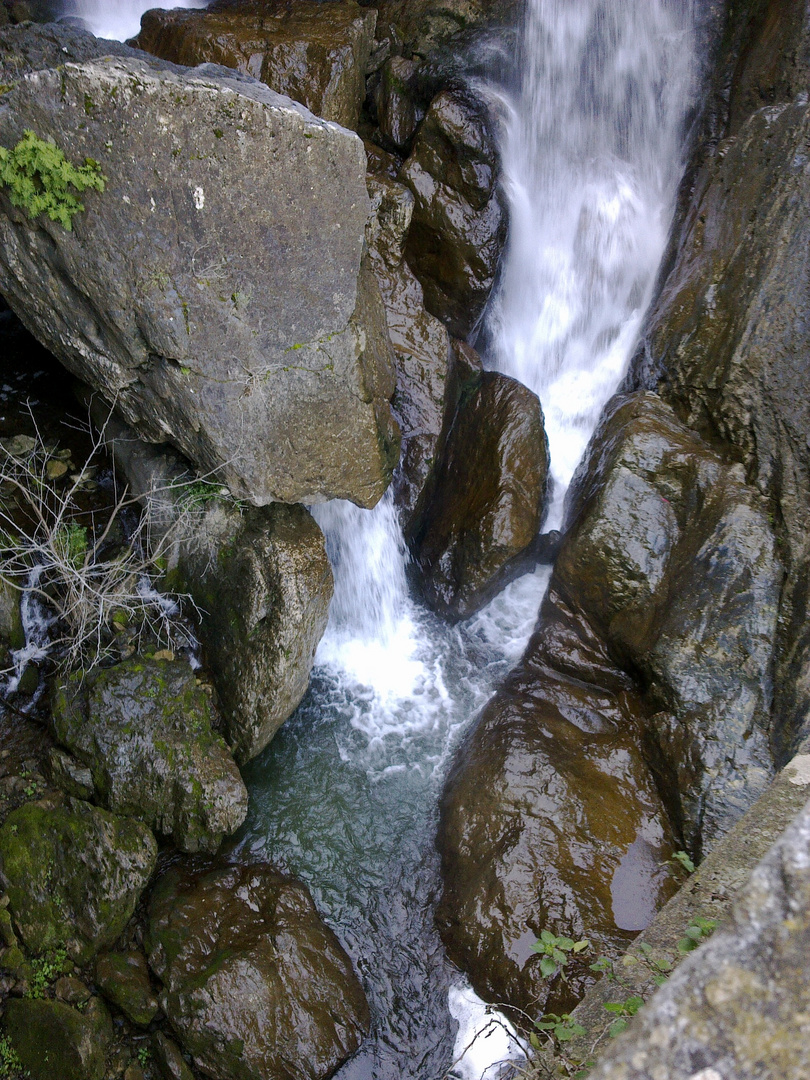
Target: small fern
(39, 179)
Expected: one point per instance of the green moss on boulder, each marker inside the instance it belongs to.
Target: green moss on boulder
(73, 873)
(57, 1042)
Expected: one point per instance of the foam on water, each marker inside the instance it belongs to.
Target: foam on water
(120, 19)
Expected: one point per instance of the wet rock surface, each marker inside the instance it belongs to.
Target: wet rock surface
(260, 578)
(727, 339)
(423, 28)
(421, 347)
(145, 729)
(73, 873)
(256, 986)
(55, 1040)
(551, 821)
(671, 556)
(488, 500)
(166, 295)
(313, 53)
(459, 219)
(123, 978)
(735, 1007)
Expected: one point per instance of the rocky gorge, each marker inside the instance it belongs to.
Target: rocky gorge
(400, 736)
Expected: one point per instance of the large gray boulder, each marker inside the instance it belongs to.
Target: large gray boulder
(216, 290)
(145, 729)
(256, 986)
(672, 557)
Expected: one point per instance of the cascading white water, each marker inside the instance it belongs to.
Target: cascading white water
(347, 794)
(592, 157)
(120, 19)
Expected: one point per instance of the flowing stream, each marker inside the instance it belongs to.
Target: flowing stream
(346, 796)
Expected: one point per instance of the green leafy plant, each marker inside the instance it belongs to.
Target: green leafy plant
(563, 1028)
(46, 969)
(696, 933)
(144, 1056)
(681, 858)
(555, 952)
(39, 179)
(623, 1011)
(10, 1064)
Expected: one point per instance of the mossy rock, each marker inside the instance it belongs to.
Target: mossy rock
(73, 873)
(57, 1042)
(123, 979)
(145, 729)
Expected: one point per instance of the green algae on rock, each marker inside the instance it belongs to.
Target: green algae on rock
(256, 986)
(145, 729)
(123, 979)
(54, 1040)
(73, 873)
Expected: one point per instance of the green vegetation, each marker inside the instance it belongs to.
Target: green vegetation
(46, 970)
(39, 179)
(682, 859)
(696, 933)
(555, 952)
(623, 1011)
(10, 1064)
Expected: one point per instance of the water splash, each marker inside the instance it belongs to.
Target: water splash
(346, 795)
(121, 19)
(592, 158)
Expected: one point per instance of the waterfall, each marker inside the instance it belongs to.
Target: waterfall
(592, 156)
(120, 19)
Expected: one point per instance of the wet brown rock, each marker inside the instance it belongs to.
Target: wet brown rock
(551, 821)
(728, 339)
(314, 53)
(672, 558)
(169, 1060)
(256, 986)
(399, 112)
(424, 26)
(421, 347)
(459, 220)
(488, 500)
